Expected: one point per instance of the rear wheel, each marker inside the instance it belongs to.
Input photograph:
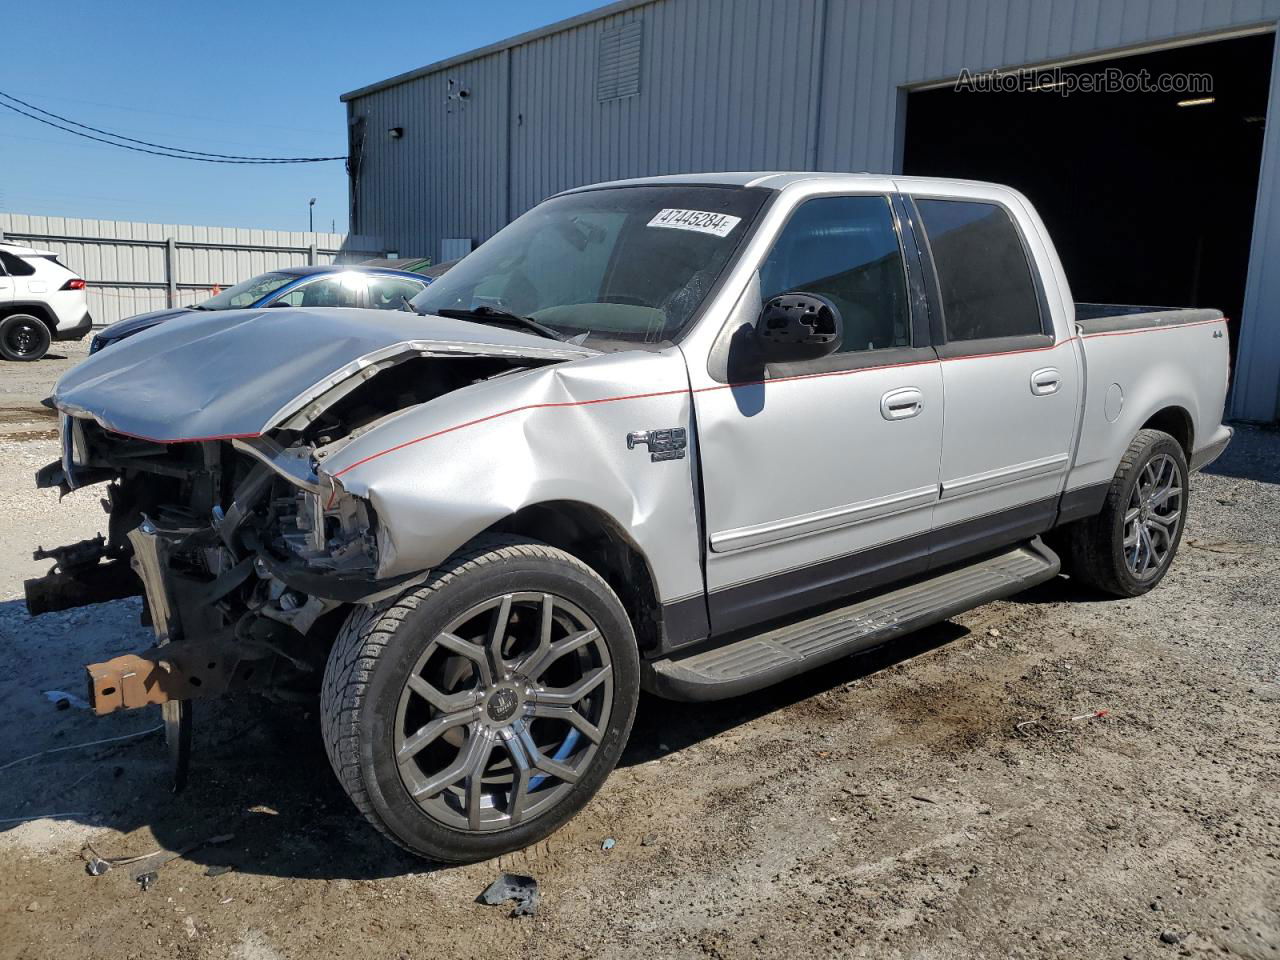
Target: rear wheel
(23, 337)
(477, 713)
(1127, 548)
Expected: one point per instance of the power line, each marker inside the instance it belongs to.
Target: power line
(238, 122)
(161, 150)
(161, 146)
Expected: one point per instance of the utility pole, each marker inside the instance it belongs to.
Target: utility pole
(311, 216)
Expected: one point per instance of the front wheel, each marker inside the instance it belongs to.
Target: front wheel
(478, 713)
(1127, 548)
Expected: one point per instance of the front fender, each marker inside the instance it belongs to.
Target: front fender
(440, 473)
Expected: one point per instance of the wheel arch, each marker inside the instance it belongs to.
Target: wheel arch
(1177, 422)
(602, 543)
(35, 308)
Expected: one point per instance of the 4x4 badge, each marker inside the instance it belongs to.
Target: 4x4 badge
(666, 444)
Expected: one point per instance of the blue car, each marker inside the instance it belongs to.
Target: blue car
(328, 286)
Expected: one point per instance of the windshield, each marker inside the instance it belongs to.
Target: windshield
(626, 263)
(247, 293)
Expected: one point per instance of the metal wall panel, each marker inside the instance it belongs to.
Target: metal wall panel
(444, 177)
(753, 84)
(1256, 394)
(125, 265)
(725, 84)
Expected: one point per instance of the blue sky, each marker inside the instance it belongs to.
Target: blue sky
(258, 78)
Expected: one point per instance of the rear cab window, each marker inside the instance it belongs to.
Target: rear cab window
(985, 281)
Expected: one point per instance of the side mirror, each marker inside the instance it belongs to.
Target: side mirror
(282, 302)
(798, 326)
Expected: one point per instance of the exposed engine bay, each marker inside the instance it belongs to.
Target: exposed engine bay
(247, 553)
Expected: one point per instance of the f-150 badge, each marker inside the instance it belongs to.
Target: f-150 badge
(666, 444)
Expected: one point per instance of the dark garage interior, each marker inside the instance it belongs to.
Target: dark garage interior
(1147, 201)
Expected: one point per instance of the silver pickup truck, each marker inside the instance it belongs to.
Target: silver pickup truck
(691, 435)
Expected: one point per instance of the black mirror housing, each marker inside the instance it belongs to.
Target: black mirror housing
(799, 326)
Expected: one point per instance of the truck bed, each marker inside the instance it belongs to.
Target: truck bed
(1115, 317)
(1170, 374)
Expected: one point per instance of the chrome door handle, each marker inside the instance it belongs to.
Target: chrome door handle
(1045, 382)
(901, 404)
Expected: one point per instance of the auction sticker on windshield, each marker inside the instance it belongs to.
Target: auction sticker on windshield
(699, 221)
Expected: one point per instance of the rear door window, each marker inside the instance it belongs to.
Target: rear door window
(984, 278)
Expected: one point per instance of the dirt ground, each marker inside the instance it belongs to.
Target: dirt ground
(954, 796)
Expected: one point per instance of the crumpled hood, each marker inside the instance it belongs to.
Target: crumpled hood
(238, 373)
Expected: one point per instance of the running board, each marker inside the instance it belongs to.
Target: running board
(759, 661)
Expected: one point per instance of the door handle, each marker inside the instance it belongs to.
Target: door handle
(901, 404)
(1045, 382)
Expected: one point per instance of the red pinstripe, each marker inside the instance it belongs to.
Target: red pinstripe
(495, 416)
(721, 386)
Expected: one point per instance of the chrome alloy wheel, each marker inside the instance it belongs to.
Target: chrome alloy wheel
(503, 711)
(1152, 517)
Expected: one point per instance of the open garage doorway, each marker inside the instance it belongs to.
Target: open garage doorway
(1149, 196)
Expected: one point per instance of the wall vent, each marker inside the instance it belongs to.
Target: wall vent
(618, 63)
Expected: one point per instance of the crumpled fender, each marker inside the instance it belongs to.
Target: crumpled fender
(442, 472)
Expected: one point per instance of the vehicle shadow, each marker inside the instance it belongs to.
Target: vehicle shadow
(1253, 454)
(664, 726)
(1061, 589)
(259, 772)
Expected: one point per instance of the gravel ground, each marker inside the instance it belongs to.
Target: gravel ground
(952, 797)
(22, 387)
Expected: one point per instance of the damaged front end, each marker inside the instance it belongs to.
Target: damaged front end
(240, 548)
(247, 553)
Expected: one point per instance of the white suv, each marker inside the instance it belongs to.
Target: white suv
(40, 301)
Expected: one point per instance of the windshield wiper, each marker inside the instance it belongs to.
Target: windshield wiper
(485, 312)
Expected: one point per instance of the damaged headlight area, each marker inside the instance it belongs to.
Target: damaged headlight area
(309, 520)
(242, 550)
(329, 531)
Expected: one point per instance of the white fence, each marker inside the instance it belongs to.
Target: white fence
(135, 267)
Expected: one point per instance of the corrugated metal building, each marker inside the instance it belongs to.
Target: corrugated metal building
(444, 156)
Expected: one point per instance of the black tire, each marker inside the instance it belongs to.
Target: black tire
(23, 337)
(1096, 550)
(365, 690)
